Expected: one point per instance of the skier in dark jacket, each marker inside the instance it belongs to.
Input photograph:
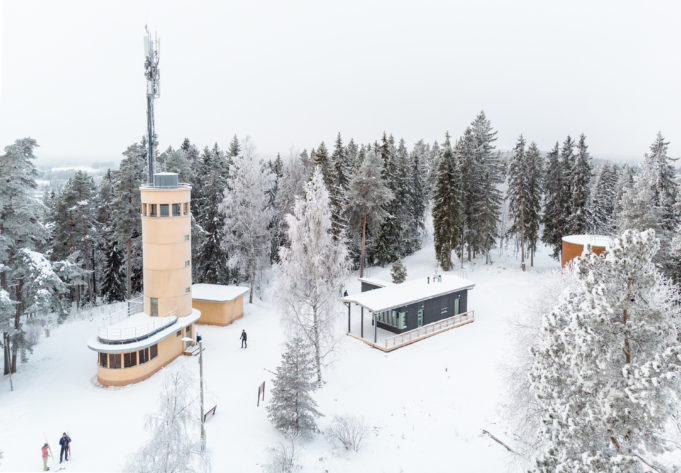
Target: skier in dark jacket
(64, 441)
(244, 338)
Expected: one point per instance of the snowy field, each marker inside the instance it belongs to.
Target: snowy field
(426, 403)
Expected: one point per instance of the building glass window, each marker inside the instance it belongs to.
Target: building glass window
(153, 351)
(143, 356)
(393, 318)
(103, 360)
(176, 210)
(419, 316)
(179, 333)
(144, 209)
(129, 359)
(164, 210)
(186, 264)
(114, 360)
(153, 309)
(186, 238)
(189, 331)
(187, 290)
(186, 208)
(152, 210)
(456, 305)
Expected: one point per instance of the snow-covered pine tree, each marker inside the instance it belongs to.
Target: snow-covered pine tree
(277, 230)
(172, 160)
(488, 194)
(579, 218)
(322, 160)
(640, 210)
(20, 228)
(125, 208)
(535, 169)
(603, 200)
(74, 230)
(553, 217)
(292, 409)
(368, 197)
(112, 285)
(607, 366)
(470, 183)
(389, 236)
(447, 207)
(247, 215)
(567, 165)
(210, 261)
(625, 181)
(310, 272)
(662, 174)
(518, 194)
(110, 275)
(398, 272)
(417, 199)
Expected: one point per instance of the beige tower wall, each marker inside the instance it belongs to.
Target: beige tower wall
(166, 243)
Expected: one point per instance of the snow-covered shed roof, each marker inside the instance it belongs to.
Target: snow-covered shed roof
(376, 282)
(95, 344)
(399, 295)
(217, 292)
(600, 241)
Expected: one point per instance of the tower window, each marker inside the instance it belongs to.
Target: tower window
(186, 238)
(114, 360)
(186, 264)
(152, 210)
(153, 309)
(129, 359)
(164, 210)
(153, 351)
(186, 208)
(187, 290)
(144, 209)
(176, 210)
(103, 360)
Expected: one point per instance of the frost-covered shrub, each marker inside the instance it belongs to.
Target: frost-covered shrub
(283, 459)
(349, 430)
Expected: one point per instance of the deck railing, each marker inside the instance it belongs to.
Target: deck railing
(115, 335)
(403, 339)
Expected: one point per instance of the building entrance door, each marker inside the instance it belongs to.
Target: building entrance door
(419, 316)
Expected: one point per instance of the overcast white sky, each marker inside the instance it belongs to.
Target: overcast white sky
(291, 73)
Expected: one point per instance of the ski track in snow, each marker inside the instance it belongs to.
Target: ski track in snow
(425, 404)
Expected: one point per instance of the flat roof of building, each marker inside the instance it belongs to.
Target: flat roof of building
(416, 290)
(96, 344)
(135, 327)
(600, 241)
(217, 292)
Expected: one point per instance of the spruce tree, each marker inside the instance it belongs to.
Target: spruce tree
(579, 218)
(535, 168)
(518, 194)
(447, 208)
(553, 216)
(113, 280)
(662, 175)
(292, 409)
(398, 272)
(603, 200)
(322, 160)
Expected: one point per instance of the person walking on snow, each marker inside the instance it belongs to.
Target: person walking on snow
(45, 451)
(64, 441)
(244, 338)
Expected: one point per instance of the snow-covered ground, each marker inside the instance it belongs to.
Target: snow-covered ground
(426, 403)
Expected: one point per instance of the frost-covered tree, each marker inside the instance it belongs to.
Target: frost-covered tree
(310, 272)
(579, 218)
(171, 448)
(390, 232)
(398, 272)
(603, 200)
(125, 208)
(292, 409)
(172, 160)
(552, 216)
(607, 366)
(211, 260)
(639, 209)
(417, 200)
(368, 196)
(323, 161)
(447, 208)
(662, 175)
(277, 230)
(247, 215)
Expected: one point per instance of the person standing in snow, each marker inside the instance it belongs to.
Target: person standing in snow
(244, 338)
(64, 441)
(45, 451)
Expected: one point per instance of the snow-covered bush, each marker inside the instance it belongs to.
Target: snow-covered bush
(283, 458)
(349, 430)
(398, 272)
(171, 447)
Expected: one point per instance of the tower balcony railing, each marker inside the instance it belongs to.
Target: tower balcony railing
(139, 328)
(179, 185)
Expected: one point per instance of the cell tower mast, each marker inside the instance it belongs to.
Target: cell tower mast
(152, 73)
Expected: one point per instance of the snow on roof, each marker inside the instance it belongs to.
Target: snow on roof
(95, 344)
(217, 292)
(602, 241)
(135, 327)
(376, 282)
(399, 295)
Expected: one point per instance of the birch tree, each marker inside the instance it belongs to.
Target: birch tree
(310, 272)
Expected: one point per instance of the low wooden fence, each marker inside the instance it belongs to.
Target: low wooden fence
(403, 339)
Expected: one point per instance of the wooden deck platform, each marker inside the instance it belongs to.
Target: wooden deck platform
(412, 336)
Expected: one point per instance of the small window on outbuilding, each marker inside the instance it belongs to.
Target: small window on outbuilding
(176, 210)
(114, 360)
(153, 351)
(164, 210)
(103, 360)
